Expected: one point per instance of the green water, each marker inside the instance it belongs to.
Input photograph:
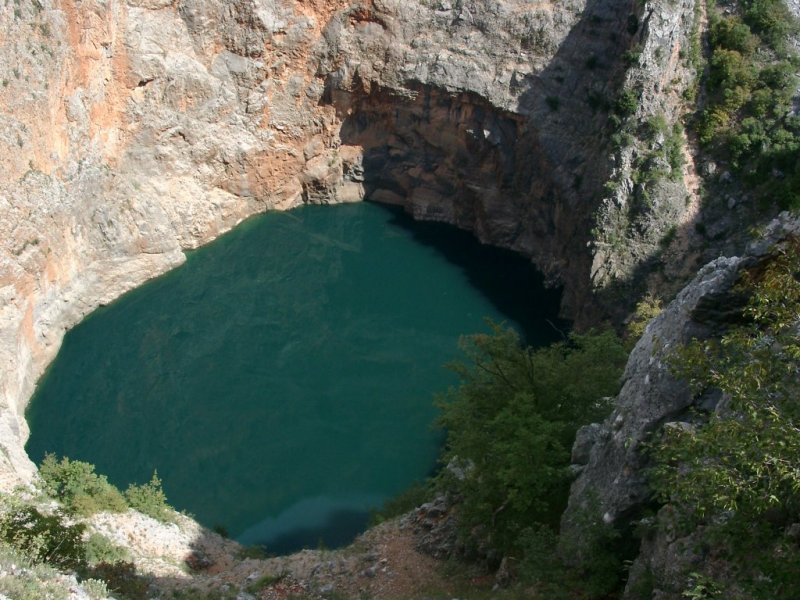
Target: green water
(281, 380)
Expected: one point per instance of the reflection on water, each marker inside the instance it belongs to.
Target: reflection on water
(281, 380)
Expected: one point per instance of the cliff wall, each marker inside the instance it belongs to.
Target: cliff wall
(132, 131)
(611, 457)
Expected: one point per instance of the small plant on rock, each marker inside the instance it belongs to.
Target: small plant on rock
(79, 488)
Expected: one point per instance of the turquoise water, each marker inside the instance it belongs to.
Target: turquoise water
(281, 380)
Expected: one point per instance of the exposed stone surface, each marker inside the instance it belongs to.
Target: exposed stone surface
(611, 485)
(644, 220)
(515, 151)
(382, 563)
(435, 528)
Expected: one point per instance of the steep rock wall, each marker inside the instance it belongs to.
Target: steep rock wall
(610, 457)
(541, 98)
(132, 131)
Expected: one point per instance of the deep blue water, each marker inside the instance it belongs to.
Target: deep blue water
(281, 380)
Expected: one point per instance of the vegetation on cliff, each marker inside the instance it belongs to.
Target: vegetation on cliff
(735, 475)
(512, 421)
(510, 428)
(47, 538)
(40, 543)
(747, 120)
(83, 492)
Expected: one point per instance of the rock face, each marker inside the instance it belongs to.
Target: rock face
(611, 485)
(133, 130)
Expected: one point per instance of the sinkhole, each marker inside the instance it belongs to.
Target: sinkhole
(281, 380)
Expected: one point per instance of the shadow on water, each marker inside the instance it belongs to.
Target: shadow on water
(323, 521)
(336, 531)
(508, 280)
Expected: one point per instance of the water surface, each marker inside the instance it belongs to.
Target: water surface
(281, 380)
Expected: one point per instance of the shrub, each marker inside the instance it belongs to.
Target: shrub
(511, 423)
(265, 581)
(729, 69)
(149, 499)
(731, 33)
(736, 473)
(627, 103)
(42, 538)
(26, 580)
(744, 458)
(99, 548)
(772, 20)
(647, 309)
(656, 126)
(95, 588)
(751, 80)
(631, 57)
(79, 488)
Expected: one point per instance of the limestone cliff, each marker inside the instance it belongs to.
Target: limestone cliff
(134, 130)
(611, 457)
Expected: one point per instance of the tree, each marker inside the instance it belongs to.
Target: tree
(511, 423)
(738, 474)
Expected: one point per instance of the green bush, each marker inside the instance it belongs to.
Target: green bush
(264, 582)
(83, 492)
(627, 103)
(511, 423)
(149, 499)
(737, 474)
(50, 541)
(42, 538)
(647, 309)
(750, 81)
(673, 152)
(80, 490)
(743, 459)
(772, 20)
(24, 579)
(98, 549)
(732, 34)
(729, 69)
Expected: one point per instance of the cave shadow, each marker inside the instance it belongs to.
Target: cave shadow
(600, 43)
(513, 285)
(530, 179)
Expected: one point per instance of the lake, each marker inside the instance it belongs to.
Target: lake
(281, 380)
